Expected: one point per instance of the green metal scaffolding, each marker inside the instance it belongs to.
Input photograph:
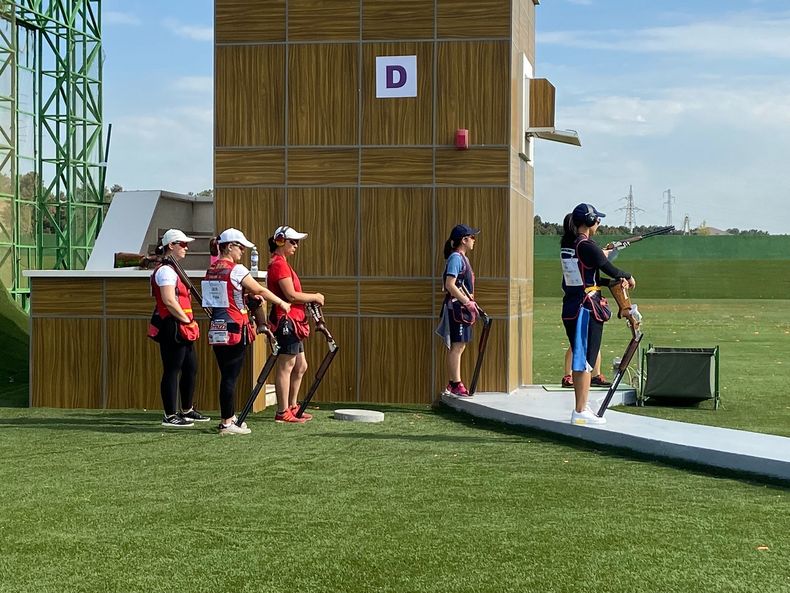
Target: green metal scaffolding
(52, 168)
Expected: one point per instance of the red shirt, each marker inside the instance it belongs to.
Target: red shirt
(277, 270)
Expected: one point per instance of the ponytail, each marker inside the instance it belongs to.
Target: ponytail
(213, 246)
(159, 249)
(272, 245)
(451, 245)
(569, 231)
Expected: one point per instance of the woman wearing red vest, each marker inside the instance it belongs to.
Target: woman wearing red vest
(289, 328)
(174, 327)
(224, 289)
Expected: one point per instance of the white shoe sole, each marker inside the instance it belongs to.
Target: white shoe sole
(235, 432)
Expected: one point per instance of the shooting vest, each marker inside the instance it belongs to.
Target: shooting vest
(229, 325)
(465, 274)
(182, 294)
(580, 284)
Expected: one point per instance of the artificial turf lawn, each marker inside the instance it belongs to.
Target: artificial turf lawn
(426, 501)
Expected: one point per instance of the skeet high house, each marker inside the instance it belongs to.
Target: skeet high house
(375, 126)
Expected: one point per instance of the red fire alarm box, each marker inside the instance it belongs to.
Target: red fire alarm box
(462, 139)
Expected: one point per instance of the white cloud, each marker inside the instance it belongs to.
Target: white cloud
(741, 36)
(194, 32)
(194, 84)
(113, 17)
(168, 148)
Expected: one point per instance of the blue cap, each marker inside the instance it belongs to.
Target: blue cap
(461, 230)
(586, 214)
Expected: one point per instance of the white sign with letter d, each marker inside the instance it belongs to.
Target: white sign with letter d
(396, 76)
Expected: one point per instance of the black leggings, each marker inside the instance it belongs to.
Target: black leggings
(230, 360)
(177, 358)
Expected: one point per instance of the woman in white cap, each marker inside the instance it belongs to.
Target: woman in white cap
(174, 327)
(290, 328)
(224, 289)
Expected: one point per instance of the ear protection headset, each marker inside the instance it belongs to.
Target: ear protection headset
(279, 238)
(590, 217)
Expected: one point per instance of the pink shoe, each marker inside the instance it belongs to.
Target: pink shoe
(459, 391)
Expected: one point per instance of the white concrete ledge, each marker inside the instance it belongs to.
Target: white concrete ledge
(115, 273)
(723, 448)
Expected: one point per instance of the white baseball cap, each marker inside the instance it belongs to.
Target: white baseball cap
(286, 232)
(173, 236)
(232, 235)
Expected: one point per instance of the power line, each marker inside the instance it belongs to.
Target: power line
(630, 209)
(668, 205)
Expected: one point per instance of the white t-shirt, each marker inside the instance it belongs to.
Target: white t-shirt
(237, 274)
(165, 276)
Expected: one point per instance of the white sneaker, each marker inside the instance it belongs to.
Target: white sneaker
(235, 418)
(233, 429)
(586, 417)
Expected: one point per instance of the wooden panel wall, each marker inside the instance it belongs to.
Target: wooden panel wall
(407, 120)
(66, 376)
(100, 357)
(322, 94)
(378, 183)
(249, 86)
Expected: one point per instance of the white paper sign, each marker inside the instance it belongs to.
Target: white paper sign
(215, 294)
(396, 76)
(570, 268)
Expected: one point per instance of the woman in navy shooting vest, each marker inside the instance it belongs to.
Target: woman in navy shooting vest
(584, 309)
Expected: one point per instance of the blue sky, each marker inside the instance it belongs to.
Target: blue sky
(688, 96)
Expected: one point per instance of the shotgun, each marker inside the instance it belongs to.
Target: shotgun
(616, 246)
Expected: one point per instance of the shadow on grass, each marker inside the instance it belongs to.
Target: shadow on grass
(122, 422)
(580, 444)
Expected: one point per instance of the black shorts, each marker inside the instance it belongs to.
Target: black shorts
(460, 333)
(584, 334)
(287, 339)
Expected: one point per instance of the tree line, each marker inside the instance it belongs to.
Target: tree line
(553, 228)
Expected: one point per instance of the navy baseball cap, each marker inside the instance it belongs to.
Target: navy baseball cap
(461, 230)
(585, 212)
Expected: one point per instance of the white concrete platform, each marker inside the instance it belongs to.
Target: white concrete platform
(549, 410)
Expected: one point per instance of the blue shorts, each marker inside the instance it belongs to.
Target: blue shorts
(460, 333)
(584, 333)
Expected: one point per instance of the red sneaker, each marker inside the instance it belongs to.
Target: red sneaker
(567, 381)
(288, 416)
(600, 381)
(305, 415)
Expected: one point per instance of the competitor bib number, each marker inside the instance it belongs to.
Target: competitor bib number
(570, 271)
(215, 294)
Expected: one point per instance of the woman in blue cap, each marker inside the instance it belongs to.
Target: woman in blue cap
(584, 309)
(459, 284)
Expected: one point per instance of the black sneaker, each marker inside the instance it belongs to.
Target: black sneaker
(193, 416)
(175, 421)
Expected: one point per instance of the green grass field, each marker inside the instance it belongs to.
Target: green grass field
(426, 501)
(754, 337)
(429, 501)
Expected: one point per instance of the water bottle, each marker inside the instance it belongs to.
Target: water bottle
(254, 260)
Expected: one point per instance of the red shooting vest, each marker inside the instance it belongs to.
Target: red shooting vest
(229, 326)
(182, 294)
